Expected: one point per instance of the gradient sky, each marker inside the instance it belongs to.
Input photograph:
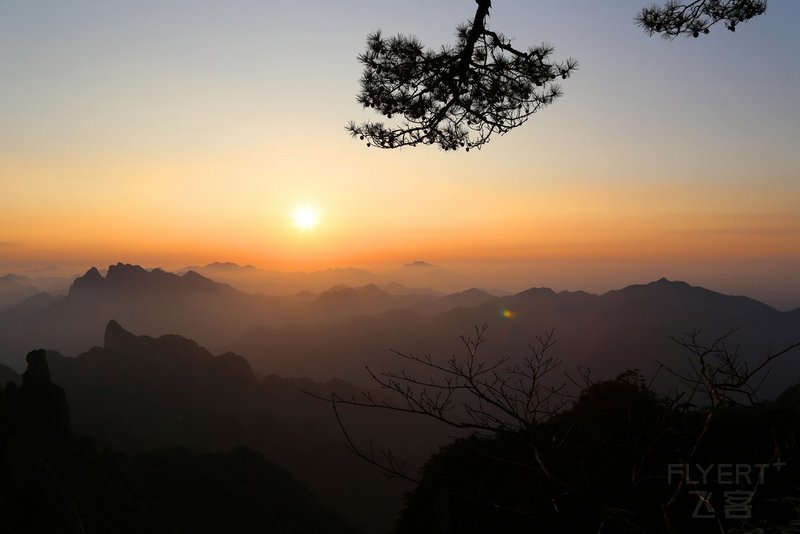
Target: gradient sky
(184, 132)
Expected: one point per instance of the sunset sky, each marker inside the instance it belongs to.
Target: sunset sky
(185, 132)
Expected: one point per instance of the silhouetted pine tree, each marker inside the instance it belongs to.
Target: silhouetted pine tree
(459, 96)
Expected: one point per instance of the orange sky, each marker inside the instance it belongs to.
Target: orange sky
(183, 134)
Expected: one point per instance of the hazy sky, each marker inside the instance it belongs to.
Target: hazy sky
(183, 132)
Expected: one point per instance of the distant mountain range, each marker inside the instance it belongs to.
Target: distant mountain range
(622, 329)
(416, 277)
(335, 333)
(191, 304)
(15, 288)
(145, 392)
(152, 301)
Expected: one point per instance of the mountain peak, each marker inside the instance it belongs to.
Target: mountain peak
(664, 282)
(194, 275)
(116, 337)
(88, 282)
(230, 266)
(195, 280)
(373, 288)
(538, 291)
(126, 273)
(345, 291)
(42, 403)
(38, 372)
(418, 264)
(123, 278)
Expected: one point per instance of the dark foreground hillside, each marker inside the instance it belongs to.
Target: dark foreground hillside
(621, 459)
(55, 482)
(605, 459)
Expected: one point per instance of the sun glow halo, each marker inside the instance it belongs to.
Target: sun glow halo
(305, 218)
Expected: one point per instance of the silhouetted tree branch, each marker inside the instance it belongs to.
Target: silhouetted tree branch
(719, 373)
(694, 18)
(468, 392)
(521, 424)
(487, 398)
(385, 460)
(722, 377)
(459, 96)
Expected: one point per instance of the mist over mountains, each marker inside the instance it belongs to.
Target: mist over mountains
(139, 393)
(416, 277)
(15, 288)
(151, 359)
(337, 331)
(157, 302)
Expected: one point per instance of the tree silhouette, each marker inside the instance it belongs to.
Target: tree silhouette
(459, 96)
(539, 455)
(674, 19)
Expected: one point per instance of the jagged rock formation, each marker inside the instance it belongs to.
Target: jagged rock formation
(335, 333)
(142, 393)
(54, 482)
(34, 425)
(91, 281)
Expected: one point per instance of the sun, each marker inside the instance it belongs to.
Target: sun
(305, 218)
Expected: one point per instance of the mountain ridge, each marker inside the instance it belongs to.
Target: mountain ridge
(338, 331)
(139, 393)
